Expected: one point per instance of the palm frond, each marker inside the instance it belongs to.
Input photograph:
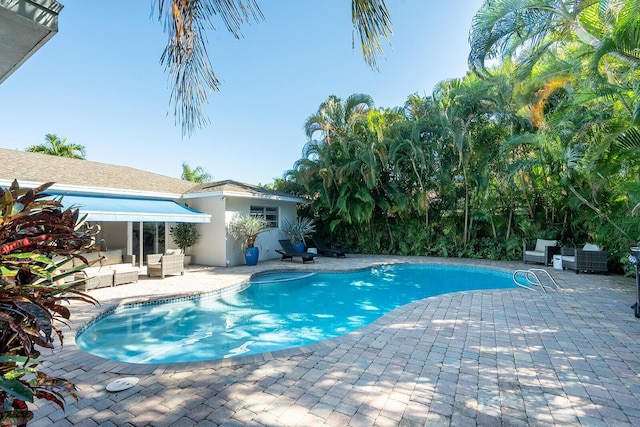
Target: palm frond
(371, 20)
(185, 56)
(628, 143)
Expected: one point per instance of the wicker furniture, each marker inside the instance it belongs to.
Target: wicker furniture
(95, 277)
(590, 258)
(164, 264)
(108, 268)
(541, 252)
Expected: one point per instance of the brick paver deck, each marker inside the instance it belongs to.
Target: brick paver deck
(510, 357)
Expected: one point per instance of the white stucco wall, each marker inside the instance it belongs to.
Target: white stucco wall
(211, 247)
(114, 233)
(267, 242)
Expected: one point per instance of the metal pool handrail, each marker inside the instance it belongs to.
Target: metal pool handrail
(532, 279)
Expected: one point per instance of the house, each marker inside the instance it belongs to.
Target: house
(135, 209)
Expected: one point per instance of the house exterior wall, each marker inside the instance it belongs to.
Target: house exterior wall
(114, 234)
(267, 242)
(216, 247)
(211, 247)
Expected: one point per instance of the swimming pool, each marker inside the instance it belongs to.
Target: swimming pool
(274, 311)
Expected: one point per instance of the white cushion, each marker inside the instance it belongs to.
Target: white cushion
(90, 257)
(570, 259)
(112, 257)
(121, 268)
(534, 253)
(97, 271)
(542, 244)
(591, 247)
(173, 251)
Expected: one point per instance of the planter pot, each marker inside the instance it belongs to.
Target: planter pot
(298, 246)
(187, 260)
(251, 256)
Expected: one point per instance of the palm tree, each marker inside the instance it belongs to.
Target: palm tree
(56, 147)
(335, 118)
(528, 30)
(186, 58)
(466, 105)
(197, 174)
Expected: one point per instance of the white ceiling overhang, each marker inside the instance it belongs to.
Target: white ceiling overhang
(25, 26)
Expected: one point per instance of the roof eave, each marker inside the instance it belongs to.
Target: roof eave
(77, 189)
(243, 195)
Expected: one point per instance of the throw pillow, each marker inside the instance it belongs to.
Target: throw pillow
(541, 244)
(591, 247)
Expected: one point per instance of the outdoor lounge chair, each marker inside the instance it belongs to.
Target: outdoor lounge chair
(542, 252)
(590, 258)
(164, 264)
(327, 251)
(289, 252)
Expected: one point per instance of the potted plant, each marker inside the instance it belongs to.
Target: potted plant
(185, 235)
(245, 230)
(299, 230)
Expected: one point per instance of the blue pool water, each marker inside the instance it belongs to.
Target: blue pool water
(277, 311)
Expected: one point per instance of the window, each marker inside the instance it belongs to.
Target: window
(269, 214)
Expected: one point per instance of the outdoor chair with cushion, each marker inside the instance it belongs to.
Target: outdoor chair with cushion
(106, 268)
(289, 252)
(542, 252)
(325, 250)
(163, 264)
(591, 258)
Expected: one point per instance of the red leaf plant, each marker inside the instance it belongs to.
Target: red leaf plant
(37, 237)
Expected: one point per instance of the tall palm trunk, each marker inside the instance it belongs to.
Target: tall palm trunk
(465, 235)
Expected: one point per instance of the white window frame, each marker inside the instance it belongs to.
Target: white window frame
(270, 214)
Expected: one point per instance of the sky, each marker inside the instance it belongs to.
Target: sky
(99, 82)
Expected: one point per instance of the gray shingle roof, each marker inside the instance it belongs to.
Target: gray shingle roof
(36, 167)
(236, 187)
(41, 168)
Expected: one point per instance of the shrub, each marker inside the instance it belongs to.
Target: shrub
(34, 228)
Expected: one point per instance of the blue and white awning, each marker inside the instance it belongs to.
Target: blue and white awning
(122, 209)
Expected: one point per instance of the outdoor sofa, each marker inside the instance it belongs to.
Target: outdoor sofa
(107, 268)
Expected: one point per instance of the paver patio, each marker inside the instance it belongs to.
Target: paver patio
(498, 357)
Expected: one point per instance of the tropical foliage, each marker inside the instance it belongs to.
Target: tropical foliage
(483, 164)
(299, 229)
(37, 236)
(59, 147)
(245, 229)
(186, 58)
(185, 235)
(197, 174)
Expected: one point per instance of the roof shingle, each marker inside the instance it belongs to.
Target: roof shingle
(36, 167)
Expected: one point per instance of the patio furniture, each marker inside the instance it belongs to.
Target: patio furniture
(590, 258)
(325, 250)
(542, 252)
(107, 268)
(164, 264)
(95, 277)
(289, 252)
